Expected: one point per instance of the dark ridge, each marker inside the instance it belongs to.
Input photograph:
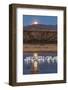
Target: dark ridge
(40, 26)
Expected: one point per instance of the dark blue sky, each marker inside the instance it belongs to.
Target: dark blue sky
(47, 20)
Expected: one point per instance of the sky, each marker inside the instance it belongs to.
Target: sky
(46, 20)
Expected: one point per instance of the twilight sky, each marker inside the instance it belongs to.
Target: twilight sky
(47, 20)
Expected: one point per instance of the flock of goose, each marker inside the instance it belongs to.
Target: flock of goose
(41, 59)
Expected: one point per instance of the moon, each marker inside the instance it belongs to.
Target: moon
(35, 22)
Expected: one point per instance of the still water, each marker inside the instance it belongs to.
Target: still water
(47, 63)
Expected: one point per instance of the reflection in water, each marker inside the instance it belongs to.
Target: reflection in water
(39, 63)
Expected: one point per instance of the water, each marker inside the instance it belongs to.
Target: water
(44, 68)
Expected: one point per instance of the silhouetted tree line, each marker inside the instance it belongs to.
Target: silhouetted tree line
(36, 37)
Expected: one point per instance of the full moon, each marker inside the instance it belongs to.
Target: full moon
(35, 22)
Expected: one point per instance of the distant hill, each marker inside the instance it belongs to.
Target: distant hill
(40, 27)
